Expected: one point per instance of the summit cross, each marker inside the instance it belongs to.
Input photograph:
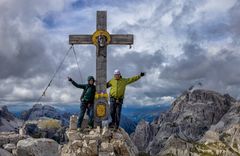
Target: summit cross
(101, 38)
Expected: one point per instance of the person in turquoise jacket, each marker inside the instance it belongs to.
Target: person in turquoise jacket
(87, 100)
(118, 86)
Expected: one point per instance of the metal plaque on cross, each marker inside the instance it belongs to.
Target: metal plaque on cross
(101, 38)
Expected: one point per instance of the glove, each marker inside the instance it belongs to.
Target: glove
(142, 74)
(70, 79)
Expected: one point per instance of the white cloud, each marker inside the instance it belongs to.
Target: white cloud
(34, 38)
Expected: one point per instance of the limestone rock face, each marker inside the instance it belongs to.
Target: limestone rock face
(99, 142)
(189, 118)
(143, 135)
(221, 139)
(37, 147)
(224, 137)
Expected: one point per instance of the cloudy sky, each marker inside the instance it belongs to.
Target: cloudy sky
(178, 43)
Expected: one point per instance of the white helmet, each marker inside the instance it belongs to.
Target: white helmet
(117, 72)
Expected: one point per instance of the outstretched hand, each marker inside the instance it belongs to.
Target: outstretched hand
(70, 79)
(142, 74)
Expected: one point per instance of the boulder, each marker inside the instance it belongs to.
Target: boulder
(9, 147)
(37, 147)
(4, 152)
(45, 128)
(11, 137)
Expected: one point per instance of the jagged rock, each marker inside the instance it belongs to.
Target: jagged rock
(106, 132)
(106, 147)
(106, 154)
(224, 137)
(37, 147)
(72, 135)
(127, 124)
(143, 135)
(9, 147)
(190, 116)
(92, 142)
(73, 122)
(10, 137)
(5, 152)
(221, 139)
(177, 147)
(7, 121)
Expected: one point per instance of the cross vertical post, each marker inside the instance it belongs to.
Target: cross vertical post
(101, 38)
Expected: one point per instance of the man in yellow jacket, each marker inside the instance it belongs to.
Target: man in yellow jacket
(118, 86)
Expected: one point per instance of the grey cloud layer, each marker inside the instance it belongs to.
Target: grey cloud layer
(174, 42)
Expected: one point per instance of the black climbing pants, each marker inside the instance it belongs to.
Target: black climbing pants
(83, 107)
(115, 111)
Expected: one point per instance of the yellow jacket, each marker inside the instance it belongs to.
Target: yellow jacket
(118, 86)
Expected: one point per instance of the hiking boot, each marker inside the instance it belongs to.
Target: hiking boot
(111, 125)
(116, 128)
(80, 130)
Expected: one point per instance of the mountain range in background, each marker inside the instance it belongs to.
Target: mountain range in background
(130, 115)
(199, 122)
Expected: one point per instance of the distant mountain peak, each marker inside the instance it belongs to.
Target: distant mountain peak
(189, 117)
(196, 86)
(38, 111)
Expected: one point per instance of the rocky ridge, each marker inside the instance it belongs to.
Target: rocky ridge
(180, 130)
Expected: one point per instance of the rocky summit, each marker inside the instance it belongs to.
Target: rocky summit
(87, 142)
(193, 116)
(102, 142)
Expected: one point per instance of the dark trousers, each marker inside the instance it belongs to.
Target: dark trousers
(83, 108)
(115, 111)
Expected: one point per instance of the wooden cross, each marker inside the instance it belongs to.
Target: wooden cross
(101, 38)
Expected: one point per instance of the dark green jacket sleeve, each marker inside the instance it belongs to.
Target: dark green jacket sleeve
(133, 79)
(82, 86)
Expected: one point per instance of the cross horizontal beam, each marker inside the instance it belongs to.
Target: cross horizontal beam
(121, 39)
(80, 39)
(115, 39)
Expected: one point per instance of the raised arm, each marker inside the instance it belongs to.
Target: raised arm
(82, 86)
(134, 78)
